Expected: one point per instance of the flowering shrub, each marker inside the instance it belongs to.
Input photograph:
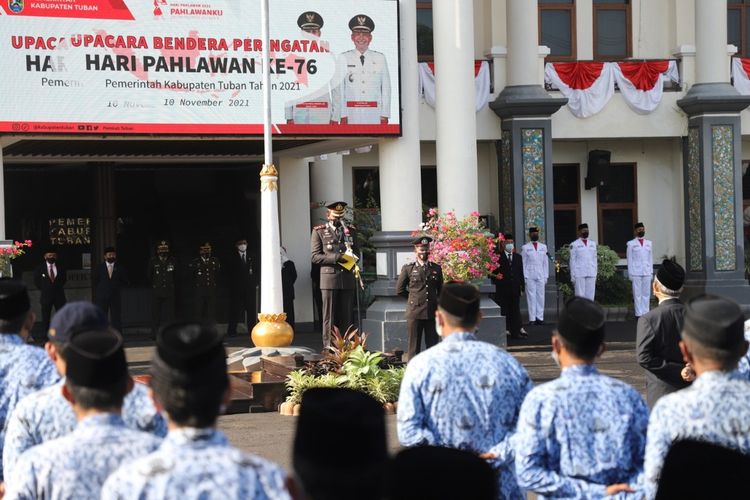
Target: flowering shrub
(10, 252)
(464, 248)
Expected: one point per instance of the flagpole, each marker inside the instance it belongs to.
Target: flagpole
(272, 330)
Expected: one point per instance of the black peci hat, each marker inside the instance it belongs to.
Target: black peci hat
(189, 347)
(714, 321)
(319, 465)
(460, 300)
(671, 275)
(583, 226)
(431, 472)
(581, 322)
(14, 299)
(95, 358)
(638, 225)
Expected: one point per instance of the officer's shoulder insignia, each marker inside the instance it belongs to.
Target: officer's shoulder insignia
(318, 227)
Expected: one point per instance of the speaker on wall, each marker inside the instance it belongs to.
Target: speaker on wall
(598, 167)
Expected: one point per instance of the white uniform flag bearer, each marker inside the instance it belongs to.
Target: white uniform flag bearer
(640, 269)
(535, 274)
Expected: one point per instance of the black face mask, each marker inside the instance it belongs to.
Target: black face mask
(337, 222)
(641, 234)
(110, 260)
(163, 254)
(205, 255)
(51, 260)
(534, 237)
(423, 255)
(584, 234)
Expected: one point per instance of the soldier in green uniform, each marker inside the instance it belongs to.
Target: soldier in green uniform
(205, 270)
(329, 244)
(161, 272)
(420, 283)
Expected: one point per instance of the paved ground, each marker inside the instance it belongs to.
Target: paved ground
(270, 435)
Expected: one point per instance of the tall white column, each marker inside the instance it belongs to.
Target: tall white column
(456, 130)
(294, 189)
(400, 162)
(711, 59)
(523, 42)
(2, 195)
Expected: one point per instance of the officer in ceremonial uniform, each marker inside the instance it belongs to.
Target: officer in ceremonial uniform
(315, 109)
(365, 90)
(205, 270)
(76, 465)
(535, 275)
(420, 283)
(640, 269)
(583, 264)
(328, 244)
(189, 381)
(161, 272)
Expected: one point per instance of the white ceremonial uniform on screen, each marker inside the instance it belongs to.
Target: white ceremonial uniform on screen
(640, 271)
(311, 109)
(583, 267)
(365, 88)
(535, 274)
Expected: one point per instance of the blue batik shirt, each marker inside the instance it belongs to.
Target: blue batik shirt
(75, 466)
(714, 409)
(579, 434)
(743, 367)
(197, 464)
(23, 369)
(46, 415)
(466, 394)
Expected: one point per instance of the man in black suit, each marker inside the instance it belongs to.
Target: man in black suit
(658, 335)
(509, 285)
(50, 279)
(288, 277)
(241, 278)
(108, 282)
(420, 283)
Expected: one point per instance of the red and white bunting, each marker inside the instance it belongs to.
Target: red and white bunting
(641, 83)
(590, 85)
(740, 72)
(481, 83)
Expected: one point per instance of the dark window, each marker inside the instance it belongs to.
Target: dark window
(366, 187)
(567, 200)
(737, 22)
(617, 207)
(429, 188)
(425, 49)
(612, 39)
(557, 21)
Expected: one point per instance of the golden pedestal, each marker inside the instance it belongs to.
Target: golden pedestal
(272, 330)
